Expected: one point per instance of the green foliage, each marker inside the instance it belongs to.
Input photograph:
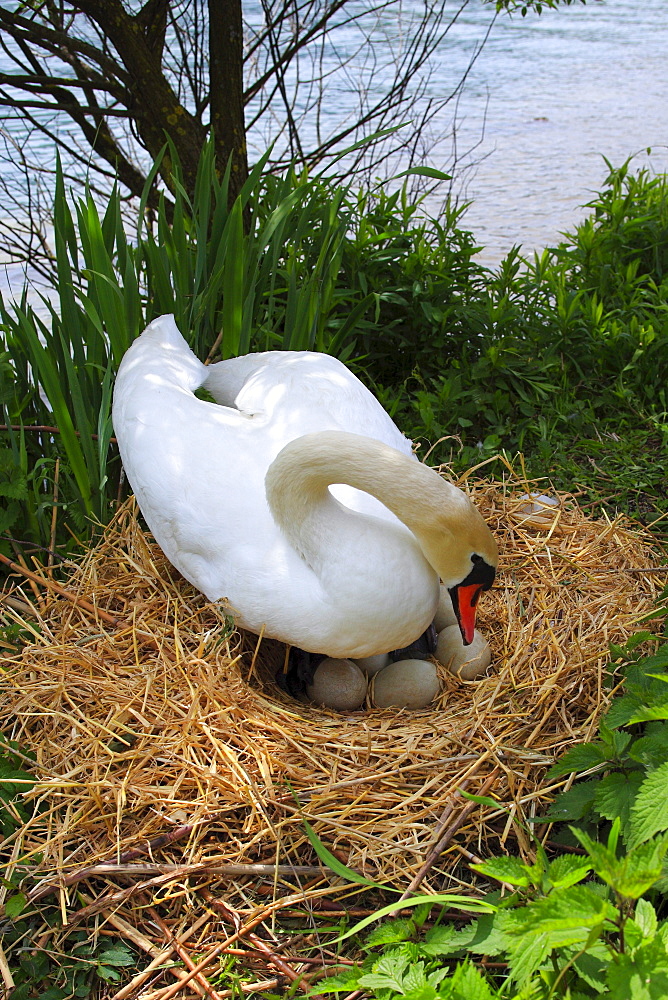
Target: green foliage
(14, 780)
(575, 926)
(628, 761)
(562, 933)
(270, 285)
(77, 972)
(563, 358)
(560, 358)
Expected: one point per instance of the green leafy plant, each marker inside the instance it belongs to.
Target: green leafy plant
(627, 766)
(559, 932)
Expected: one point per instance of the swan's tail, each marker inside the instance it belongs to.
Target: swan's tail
(163, 332)
(161, 351)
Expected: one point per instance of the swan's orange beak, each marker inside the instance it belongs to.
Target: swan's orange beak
(464, 600)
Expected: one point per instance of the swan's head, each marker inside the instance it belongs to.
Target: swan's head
(462, 550)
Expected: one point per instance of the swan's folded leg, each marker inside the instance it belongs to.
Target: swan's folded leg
(301, 668)
(423, 647)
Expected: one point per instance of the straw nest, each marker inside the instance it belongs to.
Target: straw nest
(154, 720)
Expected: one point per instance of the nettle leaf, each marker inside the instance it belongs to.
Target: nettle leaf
(415, 978)
(631, 875)
(505, 869)
(446, 939)
(468, 983)
(390, 967)
(437, 977)
(528, 952)
(662, 882)
(423, 993)
(650, 749)
(390, 932)
(573, 804)
(13, 484)
(641, 977)
(567, 870)
(616, 741)
(580, 758)
(489, 935)
(568, 916)
(108, 974)
(643, 702)
(616, 794)
(379, 981)
(643, 866)
(645, 917)
(118, 955)
(658, 661)
(649, 813)
(342, 982)
(593, 964)
(15, 905)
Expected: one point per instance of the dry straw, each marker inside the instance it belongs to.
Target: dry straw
(168, 726)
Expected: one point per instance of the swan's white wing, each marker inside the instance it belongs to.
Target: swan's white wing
(307, 391)
(298, 392)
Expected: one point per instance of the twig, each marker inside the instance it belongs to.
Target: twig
(216, 345)
(109, 868)
(159, 959)
(183, 954)
(230, 915)
(115, 898)
(46, 429)
(445, 839)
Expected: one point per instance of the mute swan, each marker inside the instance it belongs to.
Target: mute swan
(242, 497)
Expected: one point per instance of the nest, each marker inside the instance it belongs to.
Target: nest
(160, 729)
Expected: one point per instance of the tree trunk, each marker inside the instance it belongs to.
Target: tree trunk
(155, 108)
(226, 86)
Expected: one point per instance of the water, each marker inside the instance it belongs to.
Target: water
(563, 90)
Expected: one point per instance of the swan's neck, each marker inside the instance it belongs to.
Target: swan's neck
(313, 521)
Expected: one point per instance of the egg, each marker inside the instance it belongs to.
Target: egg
(372, 664)
(338, 684)
(539, 511)
(445, 613)
(465, 661)
(405, 684)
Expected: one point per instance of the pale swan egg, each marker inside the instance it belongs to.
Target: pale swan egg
(405, 684)
(338, 684)
(372, 664)
(465, 661)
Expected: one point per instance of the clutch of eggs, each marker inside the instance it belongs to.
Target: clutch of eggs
(342, 684)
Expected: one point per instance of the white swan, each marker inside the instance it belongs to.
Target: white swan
(241, 497)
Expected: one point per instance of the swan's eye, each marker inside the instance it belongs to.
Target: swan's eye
(481, 573)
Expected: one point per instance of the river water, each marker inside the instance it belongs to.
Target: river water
(563, 90)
